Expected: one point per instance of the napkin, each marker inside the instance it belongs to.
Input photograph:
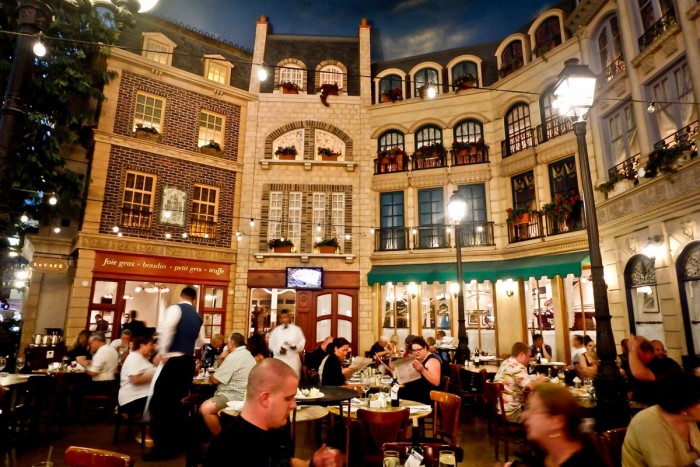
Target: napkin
(235, 405)
(420, 408)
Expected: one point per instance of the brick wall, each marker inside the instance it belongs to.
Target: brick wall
(174, 173)
(181, 118)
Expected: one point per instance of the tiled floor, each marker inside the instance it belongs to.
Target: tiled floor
(478, 449)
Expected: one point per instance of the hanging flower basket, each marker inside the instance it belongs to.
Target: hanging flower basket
(328, 90)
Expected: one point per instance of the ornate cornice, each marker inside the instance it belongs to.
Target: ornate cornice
(583, 14)
(386, 182)
(156, 248)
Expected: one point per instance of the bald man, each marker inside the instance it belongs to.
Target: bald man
(260, 435)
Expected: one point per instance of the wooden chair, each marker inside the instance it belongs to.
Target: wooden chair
(131, 417)
(612, 445)
(475, 392)
(101, 402)
(377, 428)
(77, 456)
(431, 451)
(445, 383)
(496, 412)
(446, 408)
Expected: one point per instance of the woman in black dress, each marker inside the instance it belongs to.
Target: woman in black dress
(331, 368)
(428, 366)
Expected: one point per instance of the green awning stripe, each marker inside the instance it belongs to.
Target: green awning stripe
(534, 266)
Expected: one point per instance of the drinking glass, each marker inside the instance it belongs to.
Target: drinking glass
(20, 364)
(447, 459)
(366, 384)
(391, 459)
(3, 362)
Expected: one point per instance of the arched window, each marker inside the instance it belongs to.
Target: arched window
(511, 58)
(518, 134)
(391, 85)
(553, 124)
(429, 134)
(547, 35)
(424, 77)
(610, 49)
(291, 73)
(688, 270)
(642, 298)
(391, 139)
(331, 74)
(469, 131)
(651, 12)
(465, 69)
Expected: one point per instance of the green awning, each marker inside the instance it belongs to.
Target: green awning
(533, 266)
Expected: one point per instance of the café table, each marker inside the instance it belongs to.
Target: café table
(490, 369)
(418, 409)
(11, 381)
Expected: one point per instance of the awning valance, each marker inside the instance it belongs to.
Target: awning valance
(533, 266)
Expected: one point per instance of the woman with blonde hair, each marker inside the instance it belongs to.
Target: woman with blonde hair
(393, 345)
(80, 347)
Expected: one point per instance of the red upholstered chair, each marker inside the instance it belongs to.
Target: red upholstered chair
(77, 456)
(497, 413)
(377, 428)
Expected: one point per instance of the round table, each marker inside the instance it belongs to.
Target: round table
(331, 395)
(403, 403)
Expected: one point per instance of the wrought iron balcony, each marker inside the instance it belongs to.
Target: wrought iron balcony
(657, 29)
(384, 165)
(201, 227)
(552, 128)
(529, 227)
(473, 234)
(430, 236)
(430, 160)
(135, 217)
(574, 222)
(686, 138)
(391, 239)
(615, 68)
(626, 169)
(517, 142)
(472, 154)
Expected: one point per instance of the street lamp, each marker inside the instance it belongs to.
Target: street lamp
(457, 209)
(574, 93)
(33, 16)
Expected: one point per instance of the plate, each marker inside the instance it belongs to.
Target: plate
(309, 398)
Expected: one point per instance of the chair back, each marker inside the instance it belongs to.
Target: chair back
(377, 428)
(446, 408)
(445, 383)
(455, 378)
(612, 443)
(494, 401)
(431, 451)
(77, 456)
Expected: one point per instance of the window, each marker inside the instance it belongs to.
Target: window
(391, 139)
(217, 69)
(158, 48)
(274, 226)
(137, 205)
(553, 124)
(205, 206)
(511, 58)
(524, 191)
(562, 177)
(621, 137)
(425, 77)
(465, 68)
(428, 135)
(331, 74)
(149, 111)
(674, 86)
(338, 218)
(655, 17)
(431, 218)
(469, 131)
(475, 196)
(319, 215)
(610, 47)
(294, 227)
(211, 128)
(291, 73)
(547, 35)
(518, 135)
(390, 83)
(392, 234)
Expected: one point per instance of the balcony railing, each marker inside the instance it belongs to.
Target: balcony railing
(575, 221)
(626, 169)
(553, 127)
(202, 228)
(430, 236)
(388, 165)
(474, 234)
(686, 138)
(657, 29)
(530, 228)
(473, 154)
(391, 239)
(137, 218)
(615, 68)
(517, 142)
(431, 160)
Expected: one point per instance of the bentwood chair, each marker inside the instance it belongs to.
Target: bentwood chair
(497, 413)
(612, 443)
(77, 456)
(377, 428)
(475, 391)
(431, 451)
(446, 408)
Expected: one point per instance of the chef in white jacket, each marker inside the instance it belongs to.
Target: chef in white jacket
(287, 341)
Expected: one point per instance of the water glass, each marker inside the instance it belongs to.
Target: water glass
(20, 364)
(3, 362)
(391, 459)
(447, 459)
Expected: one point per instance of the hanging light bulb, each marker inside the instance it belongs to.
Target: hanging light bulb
(119, 234)
(115, 229)
(24, 218)
(56, 230)
(652, 107)
(53, 200)
(371, 230)
(431, 91)
(262, 73)
(39, 48)
(318, 227)
(252, 223)
(347, 237)
(168, 235)
(184, 234)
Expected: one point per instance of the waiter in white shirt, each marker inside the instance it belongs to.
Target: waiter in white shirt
(287, 341)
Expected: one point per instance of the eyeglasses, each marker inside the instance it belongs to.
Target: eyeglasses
(417, 350)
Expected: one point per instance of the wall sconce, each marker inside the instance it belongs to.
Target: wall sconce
(510, 287)
(412, 289)
(654, 246)
(454, 289)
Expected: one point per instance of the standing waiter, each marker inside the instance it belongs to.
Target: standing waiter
(178, 334)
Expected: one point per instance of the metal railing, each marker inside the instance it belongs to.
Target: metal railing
(202, 228)
(686, 138)
(430, 236)
(470, 155)
(626, 169)
(530, 228)
(657, 29)
(138, 218)
(552, 128)
(517, 142)
(473, 234)
(387, 165)
(428, 161)
(391, 239)
(575, 221)
(615, 68)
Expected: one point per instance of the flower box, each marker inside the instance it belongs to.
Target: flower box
(331, 157)
(290, 91)
(523, 218)
(286, 157)
(282, 249)
(327, 249)
(147, 135)
(210, 151)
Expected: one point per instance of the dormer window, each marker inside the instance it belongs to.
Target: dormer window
(158, 48)
(217, 69)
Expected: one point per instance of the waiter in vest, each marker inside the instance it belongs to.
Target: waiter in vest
(179, 332)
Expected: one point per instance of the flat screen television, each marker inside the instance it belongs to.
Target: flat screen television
(305, 278)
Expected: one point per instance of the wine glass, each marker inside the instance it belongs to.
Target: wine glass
(391, 459)
(447, 459)
(20, 364)
(366, 384)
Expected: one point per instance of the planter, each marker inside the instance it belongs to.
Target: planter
(286, 157)
(332, 157)
(386, 98)
(461, 156)
(327, 249)
(290, 91)
(282, 249)
(210, 151)
(140, 134)
(523, 219)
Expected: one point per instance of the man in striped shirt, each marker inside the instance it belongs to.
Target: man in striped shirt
(231, 378)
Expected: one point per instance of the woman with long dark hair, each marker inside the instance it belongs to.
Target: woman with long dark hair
(331, 368)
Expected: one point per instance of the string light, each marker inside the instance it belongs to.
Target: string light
(24, 218)
(53, 200)
(115, 229)
(39, 48)
(652, 107)
(168, 235)
(262, 73)
(56, 230)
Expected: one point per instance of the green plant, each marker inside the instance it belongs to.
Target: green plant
(479, 145)
(289, 86)
(394, 94)
(327, 152)
(328, 89)
(562, 206)
(275, 242)
(514, 214)
(662, 161)
(392, 153)
(212, 144)
(146, 129)
(327, 242)
(286, 150)
(429, 149)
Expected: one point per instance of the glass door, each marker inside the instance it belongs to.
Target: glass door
(335, 316)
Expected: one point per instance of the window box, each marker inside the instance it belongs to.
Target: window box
(327, 246)
(150, 134)
(279, 245)
(327, 154)
(286, 153)
(289, 88)
(211, 149)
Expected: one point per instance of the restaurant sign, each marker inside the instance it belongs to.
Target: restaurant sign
(49, 265)
(160, 267)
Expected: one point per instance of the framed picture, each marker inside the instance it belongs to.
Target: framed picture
(649, 303)
(473, 319)
(173, 209)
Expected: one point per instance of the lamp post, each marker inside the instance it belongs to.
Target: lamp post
(574, 93)
(33, 16)
(457, 209)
